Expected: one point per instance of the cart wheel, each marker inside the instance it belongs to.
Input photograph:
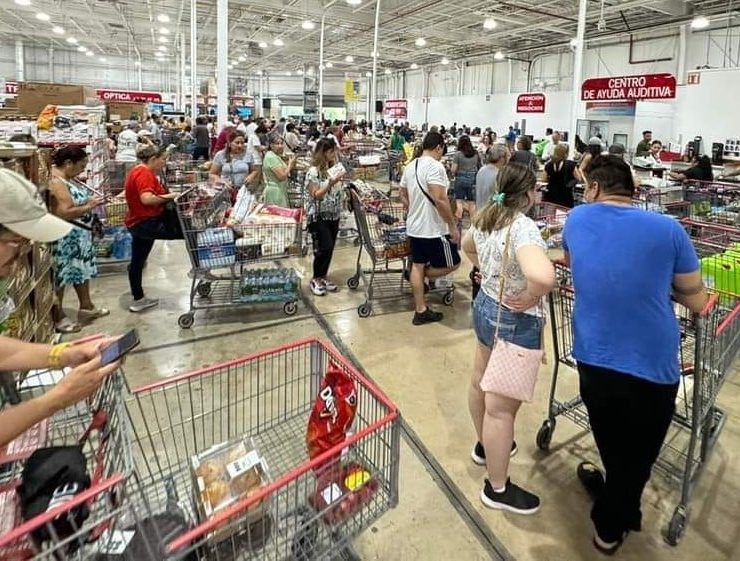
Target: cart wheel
(186, 321)
(353, 283)
(364, 310)
(204, 289)
(449, 298)
(290, 308)
(544, 435)
(677, 526)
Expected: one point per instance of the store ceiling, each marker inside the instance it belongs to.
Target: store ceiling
(452, 29)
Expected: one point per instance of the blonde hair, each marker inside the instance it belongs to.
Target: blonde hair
(559, 153)
(514, 181)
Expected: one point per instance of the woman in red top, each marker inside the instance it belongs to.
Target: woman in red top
(146, 198)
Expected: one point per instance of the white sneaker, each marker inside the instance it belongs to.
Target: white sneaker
(142, 304)
(329, 286)
(317, 287)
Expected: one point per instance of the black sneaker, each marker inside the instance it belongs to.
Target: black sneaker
(591, 478)
(513, 498)
(478, 455)
(607, 548)
(427, 316)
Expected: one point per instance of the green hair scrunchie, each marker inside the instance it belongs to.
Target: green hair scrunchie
(498, 198)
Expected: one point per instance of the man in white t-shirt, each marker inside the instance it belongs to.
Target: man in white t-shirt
(128, 141)
(550, 146)
(430, 225)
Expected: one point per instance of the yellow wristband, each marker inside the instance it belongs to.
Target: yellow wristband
(55, 355)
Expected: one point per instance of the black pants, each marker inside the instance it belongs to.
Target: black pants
(143, 236)
(629, 420)
(200, 152)
(324, 237)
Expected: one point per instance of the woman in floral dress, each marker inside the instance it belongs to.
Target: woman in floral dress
(74, 254)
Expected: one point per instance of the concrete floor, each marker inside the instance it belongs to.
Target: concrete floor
(425, 370)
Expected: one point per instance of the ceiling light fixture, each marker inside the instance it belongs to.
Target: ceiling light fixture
(299, 72)
(41, 16)
(162, 49)
(349, 58)
(574, 42)
(82, 48)
(308, 25)
(23, 2)
(242, 58)
(89, 53)
(288, 73)
(164, 31)
(699, 22)
(354, 2)
(329, 64)
(278, 42)
(445, 60)
(420, 42)
(489, 23)
(414, 66)
(231, 67)
(137, 63)
(387, 71)
(58, 30)
(103, 59)
(368, 74)
(499, 55)
(163, 39)
(163, 18)
(262, 45)
(71, 40)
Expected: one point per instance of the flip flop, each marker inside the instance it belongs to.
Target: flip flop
(67, 326)
(92, 314)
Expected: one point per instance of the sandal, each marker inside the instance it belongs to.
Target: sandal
(66, 325)
(95, 313)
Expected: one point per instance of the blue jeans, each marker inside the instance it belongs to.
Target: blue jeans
(465, 186)
(521, 329)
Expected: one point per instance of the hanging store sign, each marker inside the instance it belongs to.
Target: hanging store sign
(611, 108)
(530, 103)
(129, 97)
(310, 101)
(396, 108)
(11, 88)
(630, 88)
(351, 91)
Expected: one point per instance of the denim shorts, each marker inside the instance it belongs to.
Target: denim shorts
(465, 186)
(521, 329)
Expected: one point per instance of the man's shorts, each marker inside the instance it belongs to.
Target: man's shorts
(439, 253)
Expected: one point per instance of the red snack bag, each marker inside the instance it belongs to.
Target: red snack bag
(333, 413)
(341, 491)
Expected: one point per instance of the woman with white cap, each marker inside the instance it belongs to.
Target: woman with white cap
(23, 220)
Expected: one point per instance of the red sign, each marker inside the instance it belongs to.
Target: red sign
(131, 97)
(398, 108)
(11, 88)
(530, 103)
(629, 88)
(693, 78)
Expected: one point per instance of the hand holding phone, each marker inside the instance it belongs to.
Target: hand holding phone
(119, 347)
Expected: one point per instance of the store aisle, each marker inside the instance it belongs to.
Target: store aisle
(425, 370)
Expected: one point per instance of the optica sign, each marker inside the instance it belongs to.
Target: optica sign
(530, 103)
(630, 88)
(130, 97)
(397, 108)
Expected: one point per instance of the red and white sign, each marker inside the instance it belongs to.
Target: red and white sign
(397, 108)
(130, 97)
(693, 78)
(630, 88)
(11, 88)
(530, 103)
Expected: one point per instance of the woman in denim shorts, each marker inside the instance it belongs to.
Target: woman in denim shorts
(465, 166)
(529, 275)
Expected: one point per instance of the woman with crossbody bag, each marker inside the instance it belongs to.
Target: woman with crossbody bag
(508, 318)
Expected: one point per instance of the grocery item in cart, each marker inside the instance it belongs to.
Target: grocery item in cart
(333, 412)
(225, 474)
(216, 248)
(341, 490)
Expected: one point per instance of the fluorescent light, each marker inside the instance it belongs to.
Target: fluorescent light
(137, 63)
(498, 55)
(299, 72)
(489, 23)
(288, 73)
(368, 74)
(242, 58)
(349, 58)
(445, 60)
(164, 31)
(699, 22)
(162, 49)
(163, 18)
(354, 2)
(308, 25)
(103, 59)
(387, 71)
(89, 53)
(231, 67)
(414, 66)
(421, 42)
(163, 39)
(574, 42)
(329, 64)
(234, 63)
(41, 16)
(58, 30)
(71, 40)
(23, 2)
(82, 48)
(262, 45)
(278, 42)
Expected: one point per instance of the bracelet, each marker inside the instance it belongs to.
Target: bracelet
(55, 355)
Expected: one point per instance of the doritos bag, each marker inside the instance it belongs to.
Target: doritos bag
(333, 413)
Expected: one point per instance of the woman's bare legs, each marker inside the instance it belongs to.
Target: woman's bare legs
(83, 295)
(476, 397)
(498, 435)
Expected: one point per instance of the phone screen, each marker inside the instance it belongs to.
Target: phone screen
(120, 347)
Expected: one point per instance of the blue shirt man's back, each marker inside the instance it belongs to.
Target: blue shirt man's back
(623, 261)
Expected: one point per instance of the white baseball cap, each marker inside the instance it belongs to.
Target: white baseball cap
(22, 211)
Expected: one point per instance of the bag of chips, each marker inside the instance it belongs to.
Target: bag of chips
(333, 413)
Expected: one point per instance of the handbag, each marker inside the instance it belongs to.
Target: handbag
(511, 370)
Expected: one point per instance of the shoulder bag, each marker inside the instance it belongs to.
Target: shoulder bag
(511, 370)
(427, 195)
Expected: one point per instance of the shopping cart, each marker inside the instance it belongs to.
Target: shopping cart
(550, 219)
(665, 199)
(221, 254)
(100, 427)
(709, 345)
(368, 160)
(266, 399)
(714, 202)
(382, 232)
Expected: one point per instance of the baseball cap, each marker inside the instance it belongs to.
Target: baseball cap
(22, 211)
(594, 141)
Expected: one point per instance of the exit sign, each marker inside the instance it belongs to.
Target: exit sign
(693, 78)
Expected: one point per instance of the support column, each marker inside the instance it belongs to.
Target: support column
(374, 88)
(222, 61)
(193, 58)
(51, 63)
(260, 109)
(20, 61)
(577, 74)
(681, 70)
(511, 74)
(461, 79)
(425, 74)
(321, 67)
(183, 77)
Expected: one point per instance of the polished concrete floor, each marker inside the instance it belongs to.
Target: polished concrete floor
(425, 370)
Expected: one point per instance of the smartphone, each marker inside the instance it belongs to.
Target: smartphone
(120, 347)
(186, 192)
